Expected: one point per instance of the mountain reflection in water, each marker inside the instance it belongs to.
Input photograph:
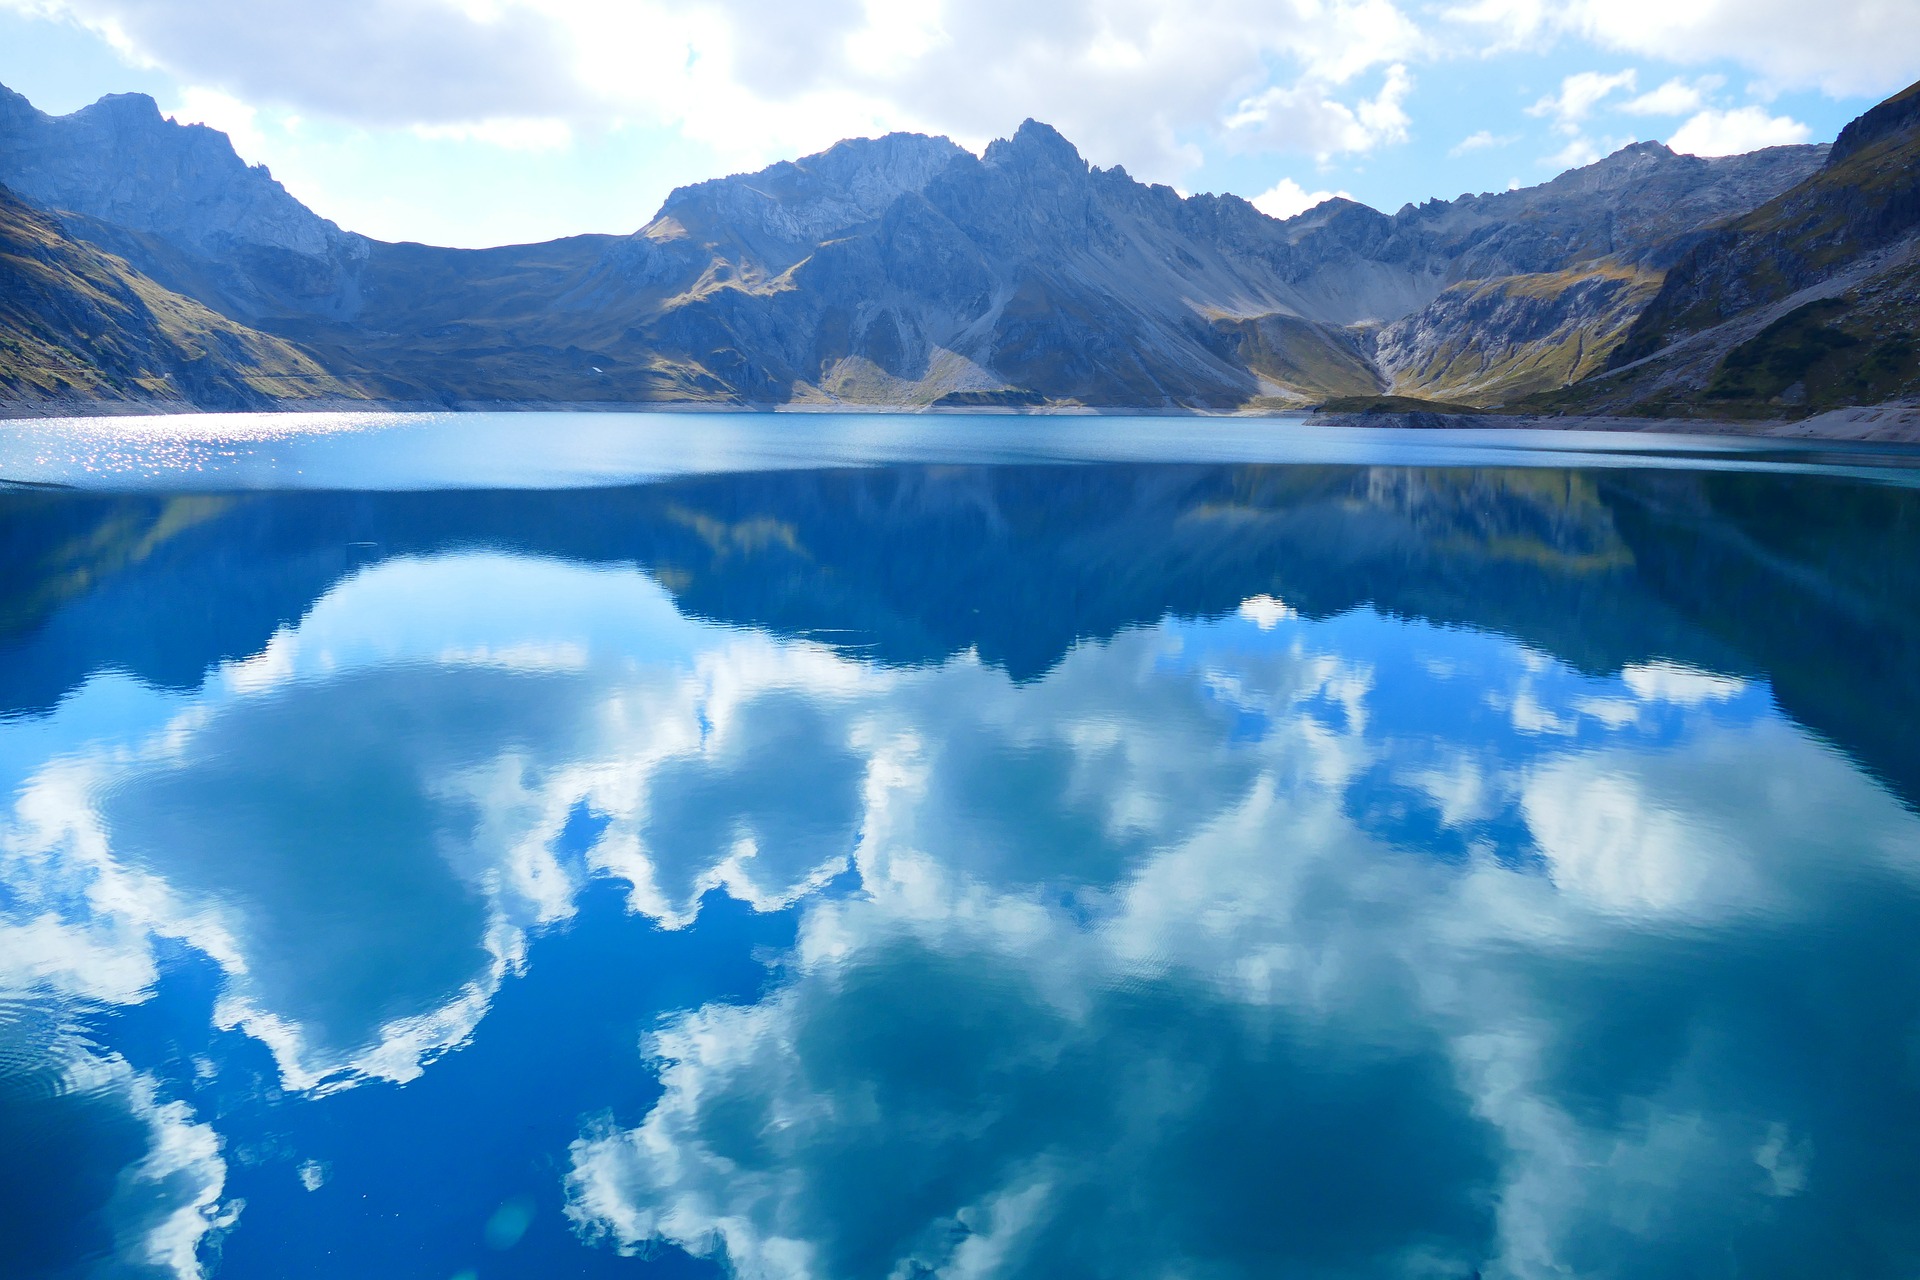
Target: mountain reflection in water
(1094, 870)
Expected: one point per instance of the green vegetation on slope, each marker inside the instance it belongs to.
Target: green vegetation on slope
(1298, 358)
(1392, 404)
(76, 323)
(1819, 356)
(1860, 347)
(1489, 342)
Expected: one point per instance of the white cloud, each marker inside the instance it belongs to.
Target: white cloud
(1674, 682)
(171, 1196)
(1677, 97)
(1743, 129)
(1842, 47)
(1577, 154)
(1265, 611)
(1304, 117)
(1620, 849)
(724, 762)
(216, 110)
(757, 80)
(152, 1214)
(1569, 110)
(1580, 94)
(1057, 1062)
(509, 135)
(368, 61)
(1484, 140)
(1287, 199)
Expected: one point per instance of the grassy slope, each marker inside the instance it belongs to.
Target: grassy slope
(76, 323)
(1856, 349)
(1518, 335)
(1298, 359)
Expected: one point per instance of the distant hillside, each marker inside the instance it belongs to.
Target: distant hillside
(906, 271)
(1812, 301)
(77, 325)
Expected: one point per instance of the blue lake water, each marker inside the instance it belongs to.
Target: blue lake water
(531, 845)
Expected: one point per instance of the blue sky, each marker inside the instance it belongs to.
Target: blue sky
(475, 122)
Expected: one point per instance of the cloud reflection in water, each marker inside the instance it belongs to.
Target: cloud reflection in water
(1331, 942)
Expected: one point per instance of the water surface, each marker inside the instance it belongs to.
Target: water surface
(980, 865)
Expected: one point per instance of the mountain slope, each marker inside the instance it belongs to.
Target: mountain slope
(1811, 301)
(1866, 197)
(79, 325)
(1490, 340)
(1584, 272)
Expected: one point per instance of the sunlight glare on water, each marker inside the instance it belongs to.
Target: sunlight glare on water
(366, 449)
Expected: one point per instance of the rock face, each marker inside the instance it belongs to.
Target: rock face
(178, 203)
(781, 213)
(1865, 199)
(906, 271)
(1514, 335)
(1552, 277)
(1024, 271)
(1639, 205)
(120, 161)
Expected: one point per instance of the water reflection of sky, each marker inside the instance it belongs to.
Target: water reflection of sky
(499, 917)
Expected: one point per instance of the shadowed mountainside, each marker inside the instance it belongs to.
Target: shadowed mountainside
(79, 324)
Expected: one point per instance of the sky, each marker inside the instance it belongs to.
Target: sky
(479, 122)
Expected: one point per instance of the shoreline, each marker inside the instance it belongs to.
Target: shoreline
(1893, 423)
(1897, 423)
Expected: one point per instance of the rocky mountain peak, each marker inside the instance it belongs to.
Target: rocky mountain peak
(1650, 149)
(1898, 114)
(127, 109)
(1630, 165)
(121, 161)
(15, 111)
(800, 202)
(1333, 209)
(899, 162)
(1036, 145)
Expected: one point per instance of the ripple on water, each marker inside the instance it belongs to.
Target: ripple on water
(44, 1053)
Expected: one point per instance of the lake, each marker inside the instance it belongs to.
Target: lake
(491, 846)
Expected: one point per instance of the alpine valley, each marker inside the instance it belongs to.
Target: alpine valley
(144, 265)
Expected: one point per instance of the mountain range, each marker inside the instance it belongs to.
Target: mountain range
(143, 263)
